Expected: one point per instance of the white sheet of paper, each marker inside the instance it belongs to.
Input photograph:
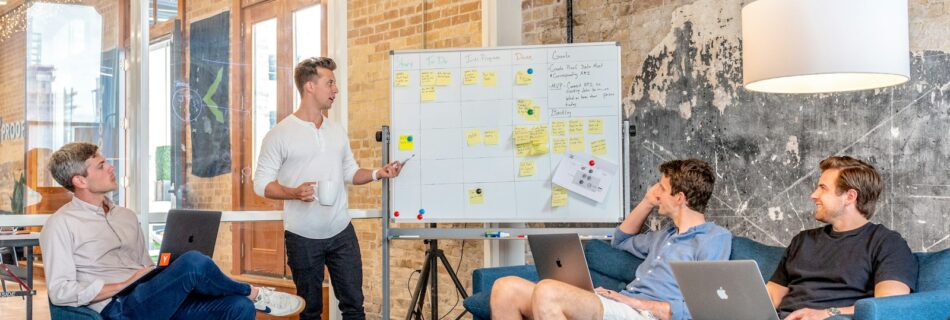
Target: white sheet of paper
(575, 174)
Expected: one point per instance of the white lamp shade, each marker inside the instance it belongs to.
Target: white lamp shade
(811, 46)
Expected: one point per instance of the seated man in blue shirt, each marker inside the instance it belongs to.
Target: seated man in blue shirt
(681, 194)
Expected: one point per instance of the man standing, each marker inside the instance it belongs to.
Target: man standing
(681, 194)
(304, 152)
(92, 249)
(825, 270)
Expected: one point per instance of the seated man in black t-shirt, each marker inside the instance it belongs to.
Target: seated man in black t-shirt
(825, 270)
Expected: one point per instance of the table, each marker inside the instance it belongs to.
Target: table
(21, 240)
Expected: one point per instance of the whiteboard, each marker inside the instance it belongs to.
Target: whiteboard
(463, 114)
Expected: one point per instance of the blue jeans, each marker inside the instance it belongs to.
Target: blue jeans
(192, 287)
(341, 255)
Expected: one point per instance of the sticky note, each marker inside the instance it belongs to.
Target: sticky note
(523, 150)
(473, 137)
(428, 93)
(559, 127)
(401, 79)
(598, 147)
(522, 135)
(405, 142)
(443, 78)
(558, 196)
(476, 196)
(595, 126)
(538, 149)
(560, 145)
(528, 111)
(577, 144)
(539, 134)
(577, 126)
(427, 78)
(526, 168)
(489, 79)
(522, 78)
(491, 137)
(470, 78)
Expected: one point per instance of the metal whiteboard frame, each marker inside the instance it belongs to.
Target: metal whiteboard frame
(622, 122)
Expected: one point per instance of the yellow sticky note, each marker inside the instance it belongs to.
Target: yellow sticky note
(489, 78)
(524, 150)
(526, 168)
(538, 149)
(522, 78)
(471, 77)
(598, 147)
(539, 134)
(577, 126)
(427, 78)
(405, 142)
(401, 79)
(595, 126)
(491, 137)
(428, 93)
(473, 136)
(522, 134)
(527, 110)
(443, 78)
(560, 145)
(476, 196)
(558, 196)
(577, 144)
(559, 127)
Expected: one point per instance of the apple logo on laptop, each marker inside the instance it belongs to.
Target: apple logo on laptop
(558, 262)
(722, 294)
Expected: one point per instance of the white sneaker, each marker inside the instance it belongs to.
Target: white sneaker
(278, 303)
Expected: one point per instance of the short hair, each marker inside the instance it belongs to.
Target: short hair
(858, 175)
(70, 161)
(694, 178)
(307, 69)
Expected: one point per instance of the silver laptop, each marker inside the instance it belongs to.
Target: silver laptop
(561, 257)
(724, 290)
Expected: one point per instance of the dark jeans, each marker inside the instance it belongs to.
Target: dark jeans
(340, 254)
(192, 287)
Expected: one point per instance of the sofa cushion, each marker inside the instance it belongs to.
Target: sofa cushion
(478, 305)
(933, 270)
(767, 257)
(611, 263)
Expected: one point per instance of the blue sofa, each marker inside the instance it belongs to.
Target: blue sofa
(611, 268)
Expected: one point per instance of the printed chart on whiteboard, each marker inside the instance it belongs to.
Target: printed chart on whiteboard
(489, 132)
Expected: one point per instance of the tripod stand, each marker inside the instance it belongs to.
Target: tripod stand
(430, 273)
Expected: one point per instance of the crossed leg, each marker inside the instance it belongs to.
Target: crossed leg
(517, 298)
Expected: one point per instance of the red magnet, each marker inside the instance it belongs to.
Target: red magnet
(396, 214)
(419, 217)
(591, 163)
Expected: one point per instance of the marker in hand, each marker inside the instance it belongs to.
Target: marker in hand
(407, 159)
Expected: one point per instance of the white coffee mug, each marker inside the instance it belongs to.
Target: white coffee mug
(327, 192)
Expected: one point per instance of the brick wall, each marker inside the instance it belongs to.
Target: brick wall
(375, 28)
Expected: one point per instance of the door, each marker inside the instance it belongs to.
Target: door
(269, 96)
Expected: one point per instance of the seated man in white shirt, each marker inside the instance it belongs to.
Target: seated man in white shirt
(92, 249)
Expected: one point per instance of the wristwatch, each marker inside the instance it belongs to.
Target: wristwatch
(833, 311)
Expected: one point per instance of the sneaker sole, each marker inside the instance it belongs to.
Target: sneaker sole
(303, 304)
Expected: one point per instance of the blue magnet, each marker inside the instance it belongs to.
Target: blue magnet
(530, 71)
(409, 138)
(422, 211)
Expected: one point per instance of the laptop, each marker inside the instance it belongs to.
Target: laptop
(185, 230)
(724, 290)
(561, 257)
